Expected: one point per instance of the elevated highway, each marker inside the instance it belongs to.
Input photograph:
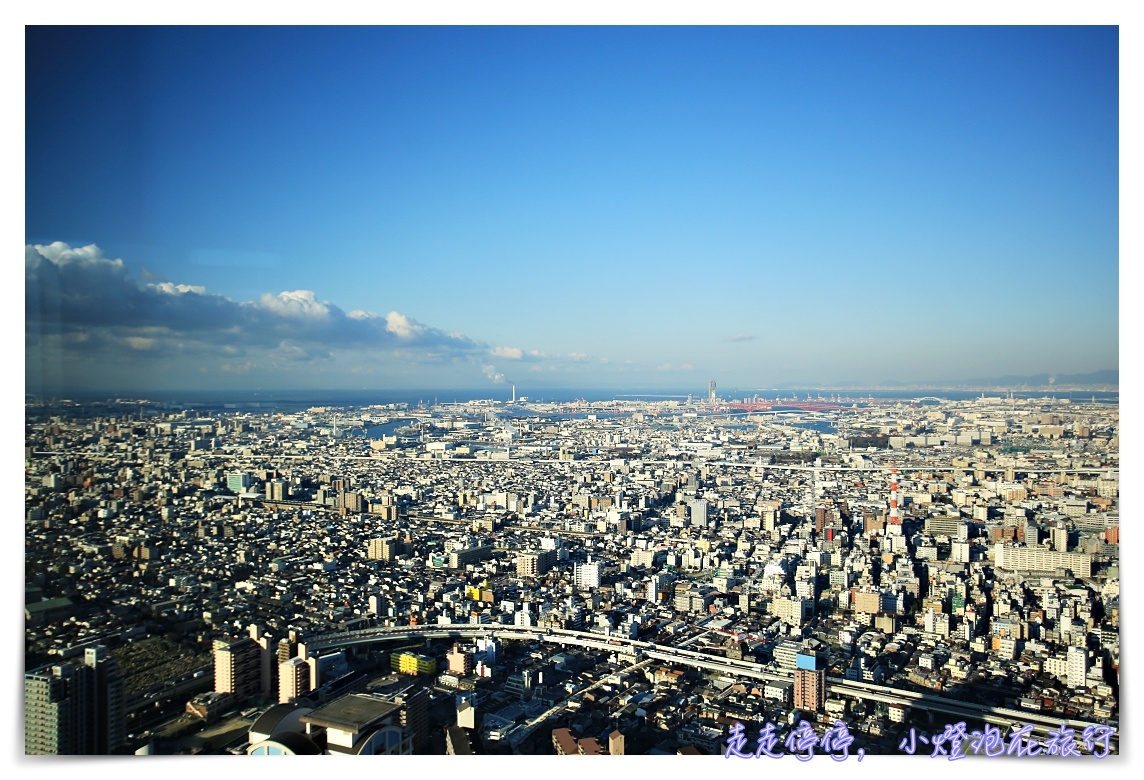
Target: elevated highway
(937, 709)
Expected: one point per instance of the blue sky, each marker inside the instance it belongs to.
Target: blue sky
(643, 207)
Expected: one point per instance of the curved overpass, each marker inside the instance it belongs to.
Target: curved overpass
(564, 637)
(930, 703)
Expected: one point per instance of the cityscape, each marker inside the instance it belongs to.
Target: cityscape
(726, 391)
(595, 577)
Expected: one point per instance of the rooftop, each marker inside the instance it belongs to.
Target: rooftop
(353, 713)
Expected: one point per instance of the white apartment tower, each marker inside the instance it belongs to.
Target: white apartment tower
(698, 508)
(587, 575)
(959, 552)
(1077, 666)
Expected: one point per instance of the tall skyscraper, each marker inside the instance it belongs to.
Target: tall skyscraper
(711, 391)
(75, 709)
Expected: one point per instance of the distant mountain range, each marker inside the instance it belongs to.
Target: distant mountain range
(1108, 379)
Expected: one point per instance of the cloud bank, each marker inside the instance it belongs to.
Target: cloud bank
(85, 313)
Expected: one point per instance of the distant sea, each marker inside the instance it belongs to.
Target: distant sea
(289, 400)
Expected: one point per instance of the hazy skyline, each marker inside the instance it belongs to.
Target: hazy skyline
(568, 206)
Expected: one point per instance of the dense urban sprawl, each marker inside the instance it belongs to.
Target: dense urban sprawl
(195, 561)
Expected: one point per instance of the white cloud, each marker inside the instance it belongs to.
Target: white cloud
(403, 327)
(140, 343)
(178, 289)
(509, 353)
(296, 303)
(61, 254)
(85, 312)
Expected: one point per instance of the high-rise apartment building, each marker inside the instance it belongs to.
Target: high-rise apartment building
(658, 586)
(276, 490)
(532, 564)
(238, 667)
(414, 715)
(809, 689)
(49, 701)
(286, 650)
(459, 559)
(352, 502)
(381, 549)
(809, 680)
(959, 552)
(587, 575)
(267, 659)
(293, 680)
(524, 617)
(75, 709)
(1077, 668)
(387, 549)
(1041, 559)
(698, 507)
(238, 482)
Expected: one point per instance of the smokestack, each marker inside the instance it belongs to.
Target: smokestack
(895, 515)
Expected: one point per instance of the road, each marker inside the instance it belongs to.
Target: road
(930, 703)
